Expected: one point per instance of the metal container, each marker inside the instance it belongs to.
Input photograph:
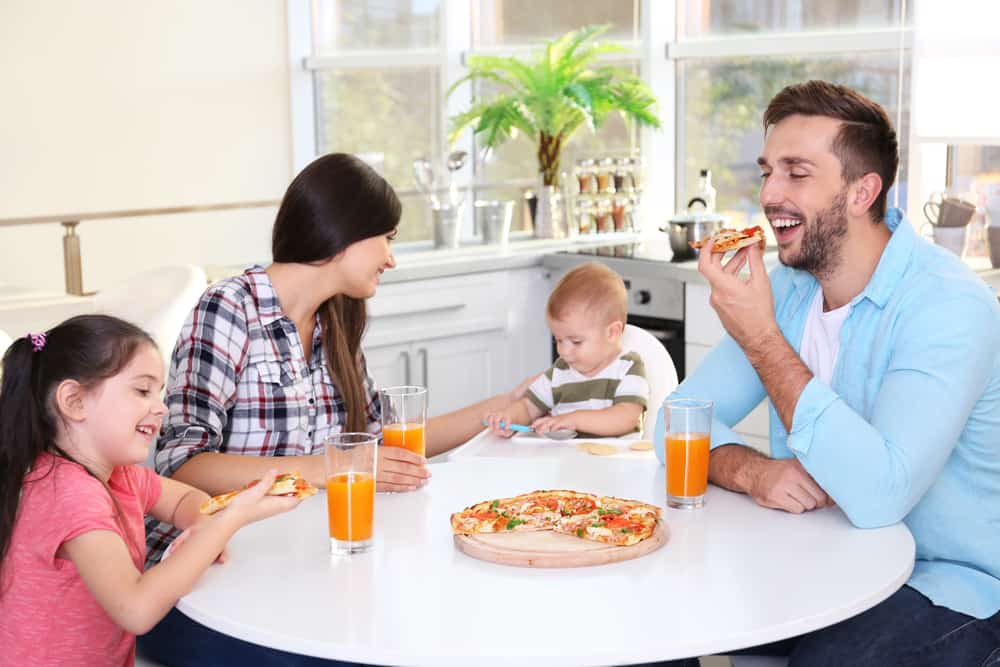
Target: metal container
(493, 219)
(447, 223)
(687, 228)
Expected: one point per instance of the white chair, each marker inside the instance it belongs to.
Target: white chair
(758, 661)
(660, 371)
(158, 300)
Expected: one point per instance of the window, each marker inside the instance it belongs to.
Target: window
(734, 56)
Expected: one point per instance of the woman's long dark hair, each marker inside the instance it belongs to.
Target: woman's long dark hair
(335, 201)
(86, 348)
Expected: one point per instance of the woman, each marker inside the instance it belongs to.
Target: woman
(269, 364)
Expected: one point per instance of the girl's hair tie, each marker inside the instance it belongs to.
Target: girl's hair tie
(37, 341)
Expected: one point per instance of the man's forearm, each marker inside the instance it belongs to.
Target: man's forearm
(733, 467)
(781, 371)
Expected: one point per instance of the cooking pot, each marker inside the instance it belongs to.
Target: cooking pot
(687, 227)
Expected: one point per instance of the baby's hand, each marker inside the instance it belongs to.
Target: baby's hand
(254, 504)
(543, 425)
(494, 420)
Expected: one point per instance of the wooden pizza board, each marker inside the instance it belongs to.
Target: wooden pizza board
(549, 549)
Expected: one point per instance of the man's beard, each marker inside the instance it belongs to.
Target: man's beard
(822, 239)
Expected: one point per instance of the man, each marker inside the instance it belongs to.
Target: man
(880, 355)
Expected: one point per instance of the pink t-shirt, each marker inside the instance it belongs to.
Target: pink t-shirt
(47, 614)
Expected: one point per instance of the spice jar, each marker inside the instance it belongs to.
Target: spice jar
(605, 175)
(585, 176)
(605, 223)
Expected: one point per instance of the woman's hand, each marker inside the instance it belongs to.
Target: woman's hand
(400, 469)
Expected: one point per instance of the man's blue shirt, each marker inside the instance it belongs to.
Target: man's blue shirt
(909, 429)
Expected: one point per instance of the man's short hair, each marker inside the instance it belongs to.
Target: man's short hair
(866, 141)
(593, 287)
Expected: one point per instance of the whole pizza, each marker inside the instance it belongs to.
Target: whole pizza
(614, 521)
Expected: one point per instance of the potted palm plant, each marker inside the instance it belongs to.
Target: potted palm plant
(548, 98)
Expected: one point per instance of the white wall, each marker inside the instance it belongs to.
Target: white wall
(116, 104)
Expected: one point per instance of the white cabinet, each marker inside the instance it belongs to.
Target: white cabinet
(465, 338)
(703, 331)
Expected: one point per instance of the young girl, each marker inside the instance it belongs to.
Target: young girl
(79, 408)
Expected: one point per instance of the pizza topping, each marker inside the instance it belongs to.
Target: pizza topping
(513, 523)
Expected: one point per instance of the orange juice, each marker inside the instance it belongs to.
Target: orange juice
(687, 464)
(350, 501)
(407, 436)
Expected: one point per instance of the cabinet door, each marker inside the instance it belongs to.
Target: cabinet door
(459, 370)
(391, 365)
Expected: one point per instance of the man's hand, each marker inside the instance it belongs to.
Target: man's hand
(745, 306)
(543, 425)
(785, 485)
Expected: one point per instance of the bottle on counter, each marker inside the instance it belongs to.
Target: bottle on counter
(705, 191)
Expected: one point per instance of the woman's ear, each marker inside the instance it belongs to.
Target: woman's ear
(69, 397)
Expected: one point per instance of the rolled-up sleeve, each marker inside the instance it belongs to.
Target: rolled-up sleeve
(727, 379)
(878, 467)
(202, 387)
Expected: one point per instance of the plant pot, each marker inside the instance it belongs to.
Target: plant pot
(550, 213)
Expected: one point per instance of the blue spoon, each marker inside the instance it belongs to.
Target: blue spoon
(559, 434)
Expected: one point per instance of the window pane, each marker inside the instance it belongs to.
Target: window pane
(722, 103)
(973, 167)
(374, 24)
(727, 17)
(391, 116)
(504, 22)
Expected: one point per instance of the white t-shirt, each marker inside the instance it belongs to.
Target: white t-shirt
(821, 338)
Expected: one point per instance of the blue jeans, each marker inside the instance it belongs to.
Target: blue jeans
(905, 630)
(177, 641)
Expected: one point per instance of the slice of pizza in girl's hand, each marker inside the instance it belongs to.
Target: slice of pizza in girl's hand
(728, 240)
(288, 484)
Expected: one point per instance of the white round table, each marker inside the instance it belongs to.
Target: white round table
(732, 575)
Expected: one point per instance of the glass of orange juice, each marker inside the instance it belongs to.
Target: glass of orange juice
(688, 434)
(350, 490)
(404, 418)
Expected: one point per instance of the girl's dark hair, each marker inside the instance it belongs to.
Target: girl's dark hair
(335, 201)
(866, 141)
(86, 348)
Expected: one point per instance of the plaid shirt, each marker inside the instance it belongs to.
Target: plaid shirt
(239, 383)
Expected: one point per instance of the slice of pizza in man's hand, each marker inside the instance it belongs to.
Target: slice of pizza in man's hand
(728, 240)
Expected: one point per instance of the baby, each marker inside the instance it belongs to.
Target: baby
(593, 388)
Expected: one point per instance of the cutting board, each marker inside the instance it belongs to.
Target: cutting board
(549, 549)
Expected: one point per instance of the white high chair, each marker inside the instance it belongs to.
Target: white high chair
(660, 371)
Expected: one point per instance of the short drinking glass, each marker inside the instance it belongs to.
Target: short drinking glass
(404, 418)
(688, 433)
(350, 490)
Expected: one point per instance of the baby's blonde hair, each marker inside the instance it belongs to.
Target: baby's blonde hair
(593, 287)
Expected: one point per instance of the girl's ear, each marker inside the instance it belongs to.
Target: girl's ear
(69, 397)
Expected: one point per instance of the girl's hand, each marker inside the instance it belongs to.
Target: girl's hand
(188, 532)
(254, 504)
(400, 469)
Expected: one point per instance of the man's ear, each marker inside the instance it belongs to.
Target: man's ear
(615, 330)
(69, 397)
(863, 194)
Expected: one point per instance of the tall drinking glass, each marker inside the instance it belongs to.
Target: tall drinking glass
(688, 434)
(404, 418)
(350, 490)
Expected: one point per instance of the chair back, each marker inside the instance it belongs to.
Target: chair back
(158, 300)
(660, 371)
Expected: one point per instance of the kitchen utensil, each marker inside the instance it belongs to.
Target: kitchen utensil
(686, 228)
(948, 211)
(447, 225)
(494, 219)
(559, 434)
(423, 175)
(456, 160)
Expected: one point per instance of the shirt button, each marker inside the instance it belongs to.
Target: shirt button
(311, 401)
(310, 434)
